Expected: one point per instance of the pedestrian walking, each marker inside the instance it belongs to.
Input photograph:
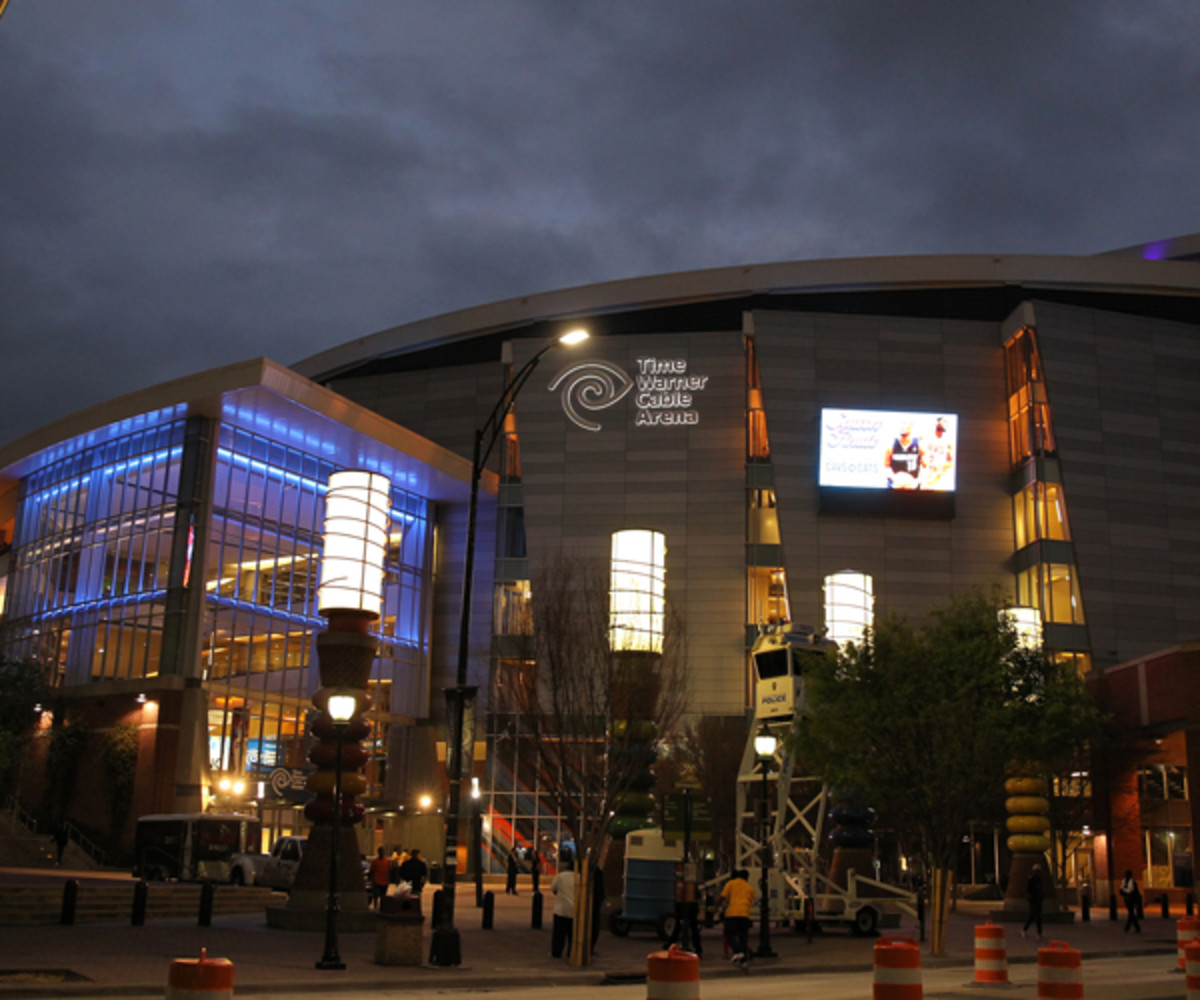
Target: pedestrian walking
(399, 856)
(563, 887)
(414, 871)
(1133, 902)
(381, 875)
(61, 837)
(510, 883)
(1035, 894)
(736, 907)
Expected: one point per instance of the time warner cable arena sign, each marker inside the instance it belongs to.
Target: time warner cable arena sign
(662, 390)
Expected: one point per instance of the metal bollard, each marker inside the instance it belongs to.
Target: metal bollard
(1085, 906)
(536, 922)
(140, 891)
(1191, 904)
(439, 908)
(207, 891)
(1166, 907)
(70, 898)
(1112, 906)
(921, 912)
(489, 909)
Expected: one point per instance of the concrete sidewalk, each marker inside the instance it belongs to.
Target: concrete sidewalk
(125, 961)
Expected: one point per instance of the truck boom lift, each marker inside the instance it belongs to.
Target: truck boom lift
(799, 803)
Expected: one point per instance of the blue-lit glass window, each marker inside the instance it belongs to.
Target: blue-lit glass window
(91, 554)
(262, 570)
(91, 566)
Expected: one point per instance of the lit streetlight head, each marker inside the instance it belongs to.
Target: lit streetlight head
(765, 743)
(342, 706)
(572, 337)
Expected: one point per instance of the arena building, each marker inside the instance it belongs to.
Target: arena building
(818, 442)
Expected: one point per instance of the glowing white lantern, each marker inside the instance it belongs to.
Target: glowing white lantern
(356, 538)
(637, 590)
(849, 605)
(1027, 623)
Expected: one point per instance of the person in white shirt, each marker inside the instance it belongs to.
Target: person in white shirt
(563, 888)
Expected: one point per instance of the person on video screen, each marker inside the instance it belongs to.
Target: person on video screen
(904, 460)
(938, 459)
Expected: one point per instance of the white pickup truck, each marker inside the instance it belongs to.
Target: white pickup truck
(277, 869)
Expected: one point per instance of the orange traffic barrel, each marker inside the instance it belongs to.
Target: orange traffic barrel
(1187, 929)
(1060, 972)
(673, 974)
(1193, 970)
(897, 969)
(991, 955)
(200, 979)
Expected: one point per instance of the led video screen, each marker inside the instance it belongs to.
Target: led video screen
(894, 450)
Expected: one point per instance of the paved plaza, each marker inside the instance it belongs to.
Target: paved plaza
(119, 960)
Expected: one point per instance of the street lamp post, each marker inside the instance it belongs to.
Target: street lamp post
(341, 708)
(764, 747)
(477, 839)
(445, 948)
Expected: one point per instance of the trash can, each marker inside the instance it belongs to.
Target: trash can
(435, 874)
(398, 931)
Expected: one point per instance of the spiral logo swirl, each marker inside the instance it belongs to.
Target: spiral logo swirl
(592, 385)
(280, 781)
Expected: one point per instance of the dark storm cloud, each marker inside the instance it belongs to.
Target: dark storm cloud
(185, 185)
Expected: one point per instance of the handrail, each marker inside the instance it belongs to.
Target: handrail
(86, 844)
(21, 814)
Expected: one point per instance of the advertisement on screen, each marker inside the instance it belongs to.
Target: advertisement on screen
(888, 450)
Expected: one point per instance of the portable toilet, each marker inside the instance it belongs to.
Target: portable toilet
(649, 881)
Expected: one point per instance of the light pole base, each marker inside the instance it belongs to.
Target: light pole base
(331, 963)
(446, 948)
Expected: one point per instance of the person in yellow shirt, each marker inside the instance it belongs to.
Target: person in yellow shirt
(737, 903)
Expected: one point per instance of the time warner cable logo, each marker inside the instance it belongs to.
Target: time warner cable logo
(665, 391)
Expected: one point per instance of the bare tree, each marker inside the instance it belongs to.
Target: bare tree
(591, 714)
(711, 749)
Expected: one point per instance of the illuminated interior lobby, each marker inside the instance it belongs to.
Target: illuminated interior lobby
(707, 407)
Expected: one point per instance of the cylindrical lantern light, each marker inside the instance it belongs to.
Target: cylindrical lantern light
(356, 534)
(849, 605)
(637, 590)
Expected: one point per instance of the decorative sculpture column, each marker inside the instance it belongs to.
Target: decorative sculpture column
(1028, 826)
(357, 508)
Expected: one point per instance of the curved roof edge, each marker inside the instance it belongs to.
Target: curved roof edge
(1175, 248)
(1116, 272)
(443, 474)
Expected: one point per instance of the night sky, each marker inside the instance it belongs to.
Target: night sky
(188, 184)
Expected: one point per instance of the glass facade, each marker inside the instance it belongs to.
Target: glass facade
(1040, 512)
(1046, 576)
(112, 535)
(766, 578)
(260, 605)
(91, 557)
